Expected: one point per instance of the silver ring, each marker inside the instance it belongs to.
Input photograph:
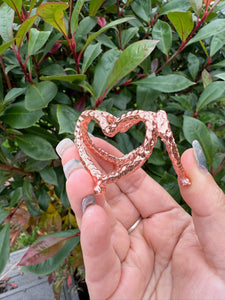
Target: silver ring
(134, 225)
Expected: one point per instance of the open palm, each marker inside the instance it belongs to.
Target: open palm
(169, 255)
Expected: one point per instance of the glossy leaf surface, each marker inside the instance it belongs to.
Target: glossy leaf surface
(53, 14)
(6, 22)
(124, 65)
(4, 246)
(36, 147)
(17, 116)
(196, 130)
(166, 83)
(212, 92)
(183, 23)
(39, 95)
(162, 32)
(94, 6)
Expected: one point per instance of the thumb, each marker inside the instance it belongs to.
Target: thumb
(207, 202)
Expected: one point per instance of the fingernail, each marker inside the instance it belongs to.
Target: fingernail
(87, 201)
(70, 166)
(199, 156)
(63, 146)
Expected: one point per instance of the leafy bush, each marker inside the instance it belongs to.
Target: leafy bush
(59, 58)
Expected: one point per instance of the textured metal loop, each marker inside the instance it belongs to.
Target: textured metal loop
(156, 124)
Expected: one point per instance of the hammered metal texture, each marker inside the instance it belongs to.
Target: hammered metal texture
(156, 124)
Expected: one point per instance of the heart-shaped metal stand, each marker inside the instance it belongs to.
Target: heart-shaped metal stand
(156, 124)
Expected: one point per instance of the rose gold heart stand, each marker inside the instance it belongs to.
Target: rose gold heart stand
(156, 124)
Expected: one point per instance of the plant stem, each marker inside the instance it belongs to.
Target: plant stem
(70, 15)
(23, 67)
(5, 74)
(119, 27)
(220, 168)
(184, 43)
(72, 45)
(14, 170)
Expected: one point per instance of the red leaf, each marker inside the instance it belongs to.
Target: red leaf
(101, 21)
(14, 286)
(207, 2)
(42, 250)
(69, 281)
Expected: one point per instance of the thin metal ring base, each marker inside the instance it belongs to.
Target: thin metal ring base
(134, 225)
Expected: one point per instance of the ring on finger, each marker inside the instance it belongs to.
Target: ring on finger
(134, 225)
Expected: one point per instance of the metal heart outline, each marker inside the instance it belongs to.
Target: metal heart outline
(156, 124)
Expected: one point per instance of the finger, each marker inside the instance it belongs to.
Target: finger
(207, 202)
(102, 265)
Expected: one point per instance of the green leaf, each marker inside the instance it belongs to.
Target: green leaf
(6, 22)
(39, 95)
(37, 39)
(14, 4)
(53, 14)
(67, 117)
(220, 75)
(124, 143)
(4, 246)
(169, 182)
(91, 52)
(196, 5)
(48, 175)
(110, 25)
(3, 215)
(127, 35)
(75, 15)
(24, 28)
(17, 116)
(215, 27)
(182, 22)
(5, 46)
(146, 98)
(142, 9)
(217, 43)
(166, 83)
(212, 92)
(175, 5)
(36, 147)
(85, 85)
(30, 198)
(43, 200)
(83, 31)
(219, 64)
(206, 78)
(32, 2)
(52, 264)
(13, 94)
(68, 78)
(124, 65)
(193, 65)
(196, 130)
(103, 70)
(94, 6)
(162, 32)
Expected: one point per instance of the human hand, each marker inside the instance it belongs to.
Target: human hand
(169, 255)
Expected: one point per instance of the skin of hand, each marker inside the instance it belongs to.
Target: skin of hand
(170, 254)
